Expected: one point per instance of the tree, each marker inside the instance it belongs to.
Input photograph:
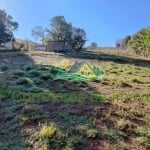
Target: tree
(126, 41)
(78, 39)
(7, 27)
(140, 42)
(38, 33)
(93, 45)
(61, 31)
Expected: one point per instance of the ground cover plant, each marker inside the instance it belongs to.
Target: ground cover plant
(39, 112)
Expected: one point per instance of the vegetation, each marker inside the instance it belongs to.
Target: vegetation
(139, 42)
(7, 27)
(40, 112)
(61, 31)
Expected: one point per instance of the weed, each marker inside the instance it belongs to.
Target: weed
(48, 131)
(124, 125)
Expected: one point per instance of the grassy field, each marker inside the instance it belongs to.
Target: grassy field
(38, 112)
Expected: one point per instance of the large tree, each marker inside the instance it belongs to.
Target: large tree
(139, 42)
(61, 30)
(7, 27)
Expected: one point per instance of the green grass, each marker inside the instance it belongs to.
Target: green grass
(37, 110)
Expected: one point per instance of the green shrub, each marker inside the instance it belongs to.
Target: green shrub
(17, 72)
(48, 131)
(36, 90)
(46, 76)
(28, 66)
(34, 73)
(24, 81)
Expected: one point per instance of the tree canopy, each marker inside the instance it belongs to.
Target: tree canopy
(139, 42)
(63, 31)
(7, 27)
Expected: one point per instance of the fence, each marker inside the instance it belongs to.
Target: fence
(54, 46)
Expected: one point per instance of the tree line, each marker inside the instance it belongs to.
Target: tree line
(62, 31)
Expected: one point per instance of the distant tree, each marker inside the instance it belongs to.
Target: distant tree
(78, 39)
(7, 27)
(62, 31)
(38, 33)
(126, 40)
(93, 45)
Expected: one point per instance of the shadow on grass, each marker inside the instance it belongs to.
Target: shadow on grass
(61, 121)
(19, 118)
(108, 57)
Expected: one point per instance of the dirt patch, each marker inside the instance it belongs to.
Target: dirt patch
(98, 145)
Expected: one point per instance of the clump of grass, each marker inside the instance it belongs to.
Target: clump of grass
(17, 72)
(46, 76)
(123, 145)
(25, 81)
(28, 66)
(36, 89)
(125, 84)
(52, 137)
(3, 67)
(37, 81)
(3, 94)
(31, 113)
(147, 117)
(48, 131)
(135, 80)
(143, 136)
(110, 134)
(54, 71)
(34, 73)
(124, 125)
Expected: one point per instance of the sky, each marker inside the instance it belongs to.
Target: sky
(105, 21)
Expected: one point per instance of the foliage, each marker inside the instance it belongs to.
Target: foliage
(78, 38)
(7, 27)
(47, 131)
(61, 31)
(93, 45)
(139, 42)
(24, 81)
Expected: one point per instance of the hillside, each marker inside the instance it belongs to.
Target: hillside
(38, 112)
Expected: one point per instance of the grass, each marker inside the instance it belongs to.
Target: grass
(39, 112)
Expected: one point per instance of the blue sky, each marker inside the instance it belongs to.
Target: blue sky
(105, 21)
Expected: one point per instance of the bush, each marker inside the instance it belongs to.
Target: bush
(46, 76)
(3, 67)
(48, 131)
(34, 73)
(28, 66)
(24, 81)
